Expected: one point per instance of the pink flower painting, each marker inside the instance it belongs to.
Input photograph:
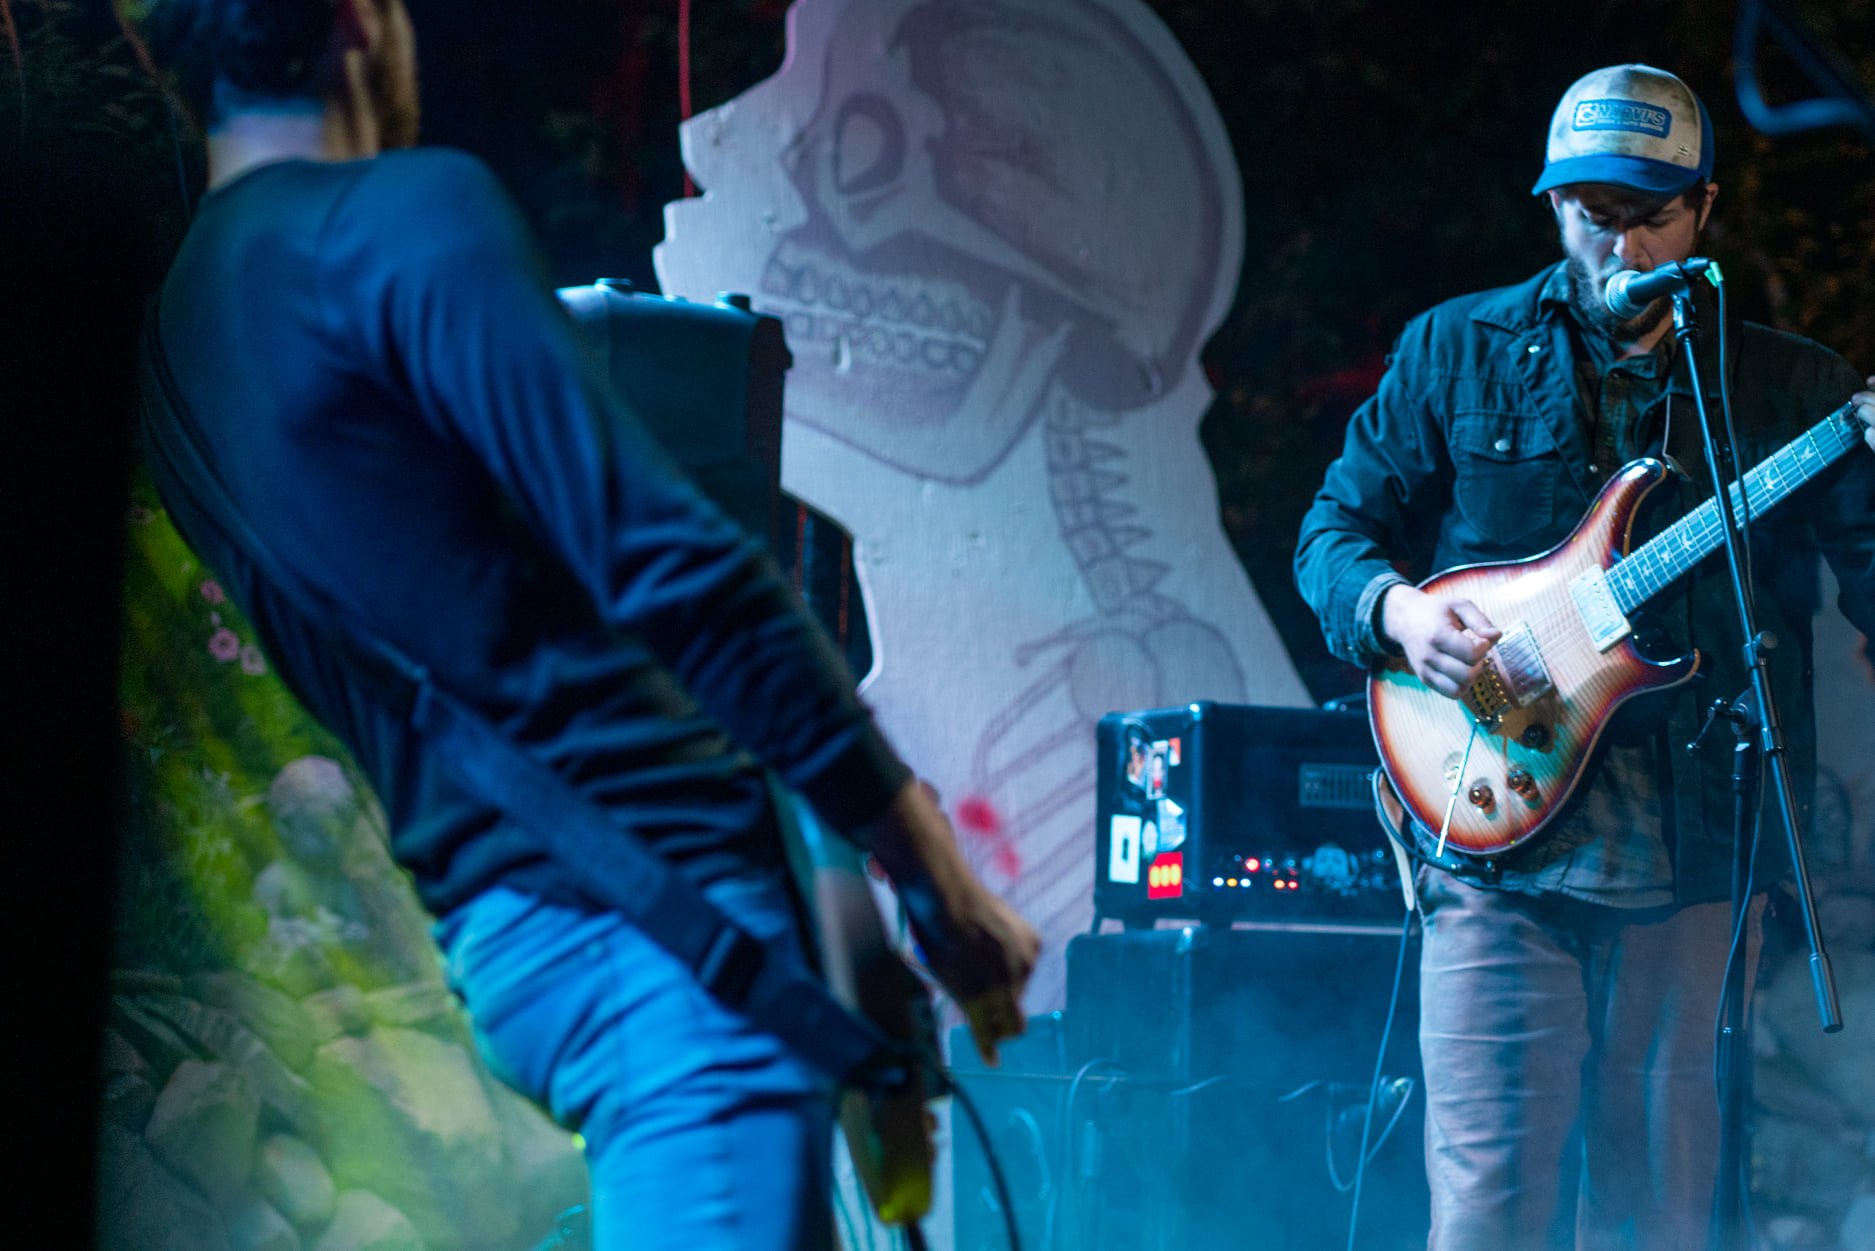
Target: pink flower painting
(224, 645)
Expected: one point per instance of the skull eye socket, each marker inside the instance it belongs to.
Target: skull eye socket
(868, 145)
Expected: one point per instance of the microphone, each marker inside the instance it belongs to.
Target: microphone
(1630, 292)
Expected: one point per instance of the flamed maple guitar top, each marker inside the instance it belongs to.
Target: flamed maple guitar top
(1491, 769)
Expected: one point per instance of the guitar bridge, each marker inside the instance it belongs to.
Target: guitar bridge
(1513, 676)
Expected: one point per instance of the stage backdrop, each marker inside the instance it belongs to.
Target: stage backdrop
(998, 235)
(282, 1064)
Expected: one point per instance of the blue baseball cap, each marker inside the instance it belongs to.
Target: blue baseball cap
(1632, 126)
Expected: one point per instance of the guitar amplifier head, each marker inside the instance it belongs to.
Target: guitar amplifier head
(1223, 812)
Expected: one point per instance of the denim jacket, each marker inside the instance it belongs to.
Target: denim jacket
(1476, 449)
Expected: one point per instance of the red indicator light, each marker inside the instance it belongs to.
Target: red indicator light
(1166, 878)
(1253, 864)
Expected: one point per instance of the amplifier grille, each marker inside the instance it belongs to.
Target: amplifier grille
(1336, 786)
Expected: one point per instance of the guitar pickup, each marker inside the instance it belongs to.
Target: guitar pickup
(1513, 676)
(1520, 666)
(1601, 617)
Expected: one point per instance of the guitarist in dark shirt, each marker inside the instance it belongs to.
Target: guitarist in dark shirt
(1573, 987)
(397, 410)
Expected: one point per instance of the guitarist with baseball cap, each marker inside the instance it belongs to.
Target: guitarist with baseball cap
(1568, 986)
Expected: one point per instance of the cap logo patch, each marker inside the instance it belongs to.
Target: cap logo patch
(1645, 119)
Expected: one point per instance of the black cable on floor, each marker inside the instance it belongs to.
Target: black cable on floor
(1373, 1087)
(944, 1083)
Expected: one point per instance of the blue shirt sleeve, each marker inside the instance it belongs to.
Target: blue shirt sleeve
(464, 317)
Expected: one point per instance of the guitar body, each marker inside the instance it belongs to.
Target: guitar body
(1540, 706)
(888, 1137)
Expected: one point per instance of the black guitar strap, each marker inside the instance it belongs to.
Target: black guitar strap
(616, 871)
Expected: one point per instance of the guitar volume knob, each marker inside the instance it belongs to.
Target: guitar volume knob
(1482, 797)
(1520, 780)
(1535, 736)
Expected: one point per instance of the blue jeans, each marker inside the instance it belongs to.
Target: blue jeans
(703, 1132)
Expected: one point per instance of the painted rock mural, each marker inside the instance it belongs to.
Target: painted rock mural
(284, 1067)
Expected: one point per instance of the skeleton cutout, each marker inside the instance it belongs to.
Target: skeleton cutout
(997, 232)
(960, 248)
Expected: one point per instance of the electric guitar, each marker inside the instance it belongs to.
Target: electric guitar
(1487, 771)
(887, 1136)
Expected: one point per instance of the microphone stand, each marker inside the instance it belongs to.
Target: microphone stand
(1730, 1069)
(1759, 718)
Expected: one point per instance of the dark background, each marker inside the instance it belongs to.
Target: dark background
(1387, 152)
(1387, 149)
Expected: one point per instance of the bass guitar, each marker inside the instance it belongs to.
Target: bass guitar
(1488, 771)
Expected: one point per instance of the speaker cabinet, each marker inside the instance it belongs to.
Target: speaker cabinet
(1091, 1159)
(1205, 1090)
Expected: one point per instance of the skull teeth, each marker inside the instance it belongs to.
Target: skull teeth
(905, 321)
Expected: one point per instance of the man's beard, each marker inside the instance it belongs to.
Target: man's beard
(1589, 293)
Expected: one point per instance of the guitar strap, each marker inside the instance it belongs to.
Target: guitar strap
(616, 871)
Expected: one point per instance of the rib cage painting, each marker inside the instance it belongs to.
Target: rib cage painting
(997, 233)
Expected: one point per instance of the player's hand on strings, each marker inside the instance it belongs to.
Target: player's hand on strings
(973, 942)
(1444, 637)
(1864, 402)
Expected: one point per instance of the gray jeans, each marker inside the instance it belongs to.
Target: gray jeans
(1569, 1045)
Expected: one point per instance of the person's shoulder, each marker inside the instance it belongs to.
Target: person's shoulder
(1784, 344)
(1451, 323)
(1781, 358)
(437, 181)
(1509, 307)
(419, 208)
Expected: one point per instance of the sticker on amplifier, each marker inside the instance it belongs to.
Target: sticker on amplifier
(1123, 849)
(1171, 825)
(1134, 764)
(1155, 769)
(1166, 878)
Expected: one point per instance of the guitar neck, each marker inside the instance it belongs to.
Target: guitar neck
(1658, 563)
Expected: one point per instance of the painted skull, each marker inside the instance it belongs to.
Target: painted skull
(968, 237)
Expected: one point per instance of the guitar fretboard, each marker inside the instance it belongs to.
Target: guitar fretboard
(1656, 564)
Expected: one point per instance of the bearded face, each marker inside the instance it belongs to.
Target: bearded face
(1588, 291)
(1606, 229)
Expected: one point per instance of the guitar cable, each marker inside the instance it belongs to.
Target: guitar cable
(1373, 1088)
(1734, 953)
(943, 1084)
(1059, 1194)
(1731, 440)
(1458, 784)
